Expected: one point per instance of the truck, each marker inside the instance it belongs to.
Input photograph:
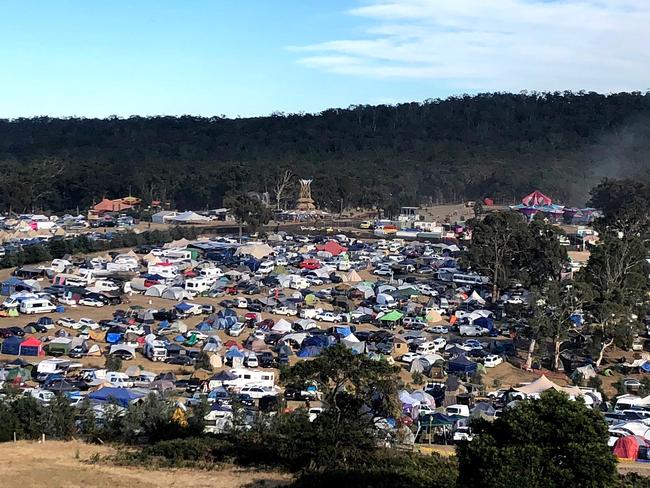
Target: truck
(154, 349)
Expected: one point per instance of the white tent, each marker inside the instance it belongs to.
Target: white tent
(281, 327)
(475, 298)
(176, 293)
(353, 277)
(258, 251)
(190, 217)
(155, 291)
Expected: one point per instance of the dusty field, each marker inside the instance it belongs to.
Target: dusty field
(64, 464)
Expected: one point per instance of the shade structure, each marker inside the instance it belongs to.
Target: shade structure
(536, 199)
(461, 365)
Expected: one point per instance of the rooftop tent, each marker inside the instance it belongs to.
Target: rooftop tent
(332, 247)
(392, 316)
(119, 396)
(627, 448)
(310, 352)
(11, 345)
(536, 199)
(461, 365)
(31, 347)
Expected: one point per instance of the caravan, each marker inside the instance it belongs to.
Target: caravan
(249, 377)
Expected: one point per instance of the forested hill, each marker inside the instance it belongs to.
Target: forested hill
(498, 145)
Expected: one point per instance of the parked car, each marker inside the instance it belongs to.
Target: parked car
(257, 392)
(492, 360)
(409, 357)
(91, 302)
(329, 317)
(438, 329)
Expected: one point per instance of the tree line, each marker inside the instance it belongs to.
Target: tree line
(610, 291)
(495, 144)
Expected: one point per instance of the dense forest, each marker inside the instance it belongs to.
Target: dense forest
(497, 145)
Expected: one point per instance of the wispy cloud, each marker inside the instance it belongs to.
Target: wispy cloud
(497, 44)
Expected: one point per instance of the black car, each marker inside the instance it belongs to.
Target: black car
(180, 360)
(193, 385)
(266, 359)
(272, 338)
(55, 290)
(252, 290)
(255, 307)
(17, 331)
(227, 303)
(105, 299)
(334, 278)
(362, 319)
(244, 400)
(41, 329)
(270, 281)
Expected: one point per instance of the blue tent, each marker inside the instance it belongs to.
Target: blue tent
(233, 352)
(485, 322)
(461, 365)
(11, 345)
(114, 337)
(310, 352)
(318, 341)
(226, 322)
(12, 285)
(119, 396)
(343, 331)
(163, 325)
(204, 327)
(183, 306)
(226, 312)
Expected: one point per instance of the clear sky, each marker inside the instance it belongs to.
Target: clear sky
(97, 58)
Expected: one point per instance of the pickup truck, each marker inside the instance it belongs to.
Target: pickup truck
(284, 311)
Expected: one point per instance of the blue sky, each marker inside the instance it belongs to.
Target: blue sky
(252, 57)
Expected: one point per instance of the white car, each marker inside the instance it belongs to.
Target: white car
(383, 272)
(251, 361)
(67, 322)
(67, 301)
(257, 392)
(439, 343)
(438, 329)
(409, 357)
(91, 302)
(236, 329)
(492, 360)
(284, 311)
(314, 280)
(462, 434)
(314, 412)
(90, 323)
(329, 317)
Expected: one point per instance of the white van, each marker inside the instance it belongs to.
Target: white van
(119, 380)
(266, 267)
(36, 305)
(460, 410)
(16, 299)
(106, 285)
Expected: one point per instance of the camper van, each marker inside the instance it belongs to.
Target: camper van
(36, 305)
(248, 377)
(197, 285)
(176, 255)
(16, 299)
(211, 273)
(119, 380)
(166, 270)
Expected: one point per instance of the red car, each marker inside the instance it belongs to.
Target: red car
(310, 264)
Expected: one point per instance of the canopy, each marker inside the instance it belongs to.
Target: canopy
(190, 217)
(461, 365)
(536, 199)
(543, 383)
(392, 316)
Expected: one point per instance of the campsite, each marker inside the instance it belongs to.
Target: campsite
(224, 323)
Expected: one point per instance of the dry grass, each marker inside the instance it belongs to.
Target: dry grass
(65, 464)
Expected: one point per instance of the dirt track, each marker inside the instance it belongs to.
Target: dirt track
(65, 465)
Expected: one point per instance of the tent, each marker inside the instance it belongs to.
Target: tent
(536, 199)
(175, 293)
(190, 217)
(309, 352)
(353, 277)
(332, 247)
(542, 384)
(628, 447)
(31, 347)
(11, 345)
(461, 365)
(258, 251)
(119, 396)
(155, 291)
(281, 326)
(392, 316)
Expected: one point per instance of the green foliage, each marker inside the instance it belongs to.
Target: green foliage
(248, 210)
(418, 378)
(59, 419)
(551, 442)
(113, 363)
(203, 362)
(499, 145)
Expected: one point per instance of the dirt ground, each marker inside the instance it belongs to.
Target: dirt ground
(65, 465)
